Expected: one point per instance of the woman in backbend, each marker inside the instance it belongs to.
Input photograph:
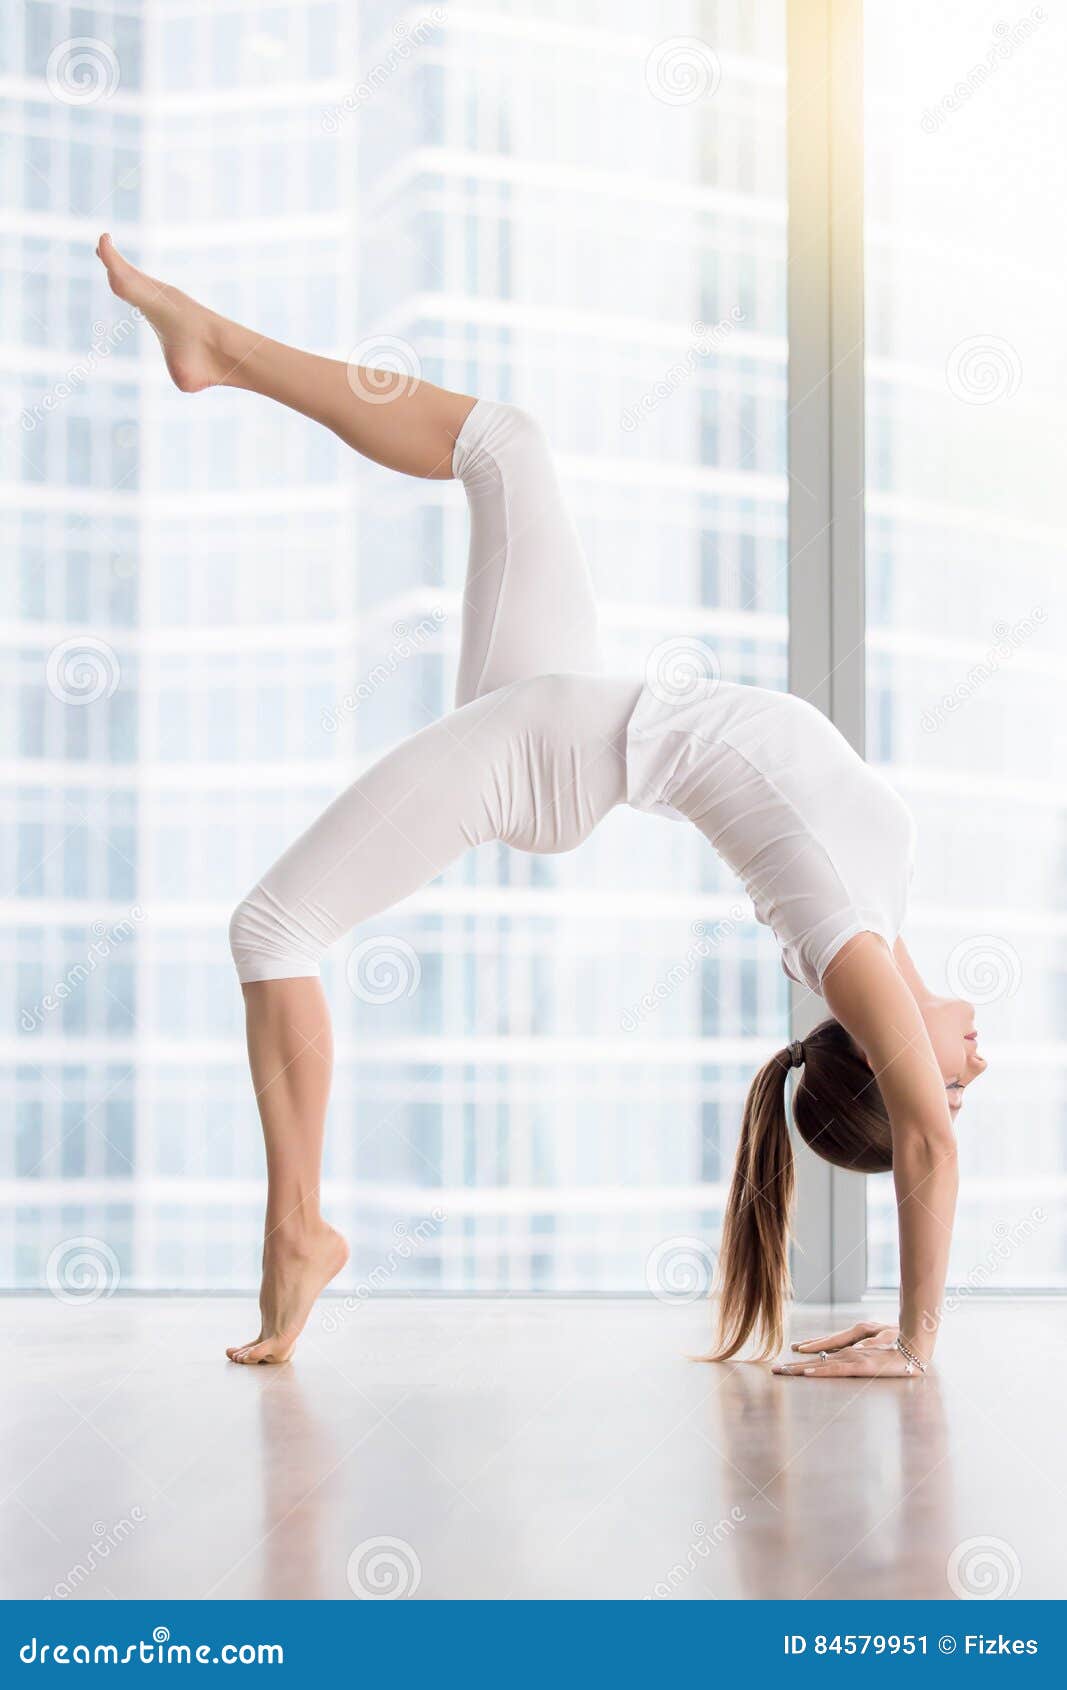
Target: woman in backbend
(540, 747)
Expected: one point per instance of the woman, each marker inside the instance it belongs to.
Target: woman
(538, 750)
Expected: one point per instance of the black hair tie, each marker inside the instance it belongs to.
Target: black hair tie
(796, 1054)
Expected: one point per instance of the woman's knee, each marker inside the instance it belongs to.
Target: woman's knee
(498, 433)
(267, 943)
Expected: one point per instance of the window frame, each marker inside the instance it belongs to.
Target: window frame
(826, 474)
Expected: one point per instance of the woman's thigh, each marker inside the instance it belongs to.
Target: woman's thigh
(528, 605)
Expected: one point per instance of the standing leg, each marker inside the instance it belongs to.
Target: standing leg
(290, 1053)
(412, 429)
(397, 827)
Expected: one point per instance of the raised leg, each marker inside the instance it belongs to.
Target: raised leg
(528, 604)
(405, 424)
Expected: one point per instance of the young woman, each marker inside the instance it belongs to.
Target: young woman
(540, 747)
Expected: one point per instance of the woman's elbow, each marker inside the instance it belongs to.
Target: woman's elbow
(931, 1143)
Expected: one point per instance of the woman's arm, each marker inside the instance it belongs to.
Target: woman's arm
(865, 990)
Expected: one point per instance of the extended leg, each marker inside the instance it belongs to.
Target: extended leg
(412, 427)
(528, 603)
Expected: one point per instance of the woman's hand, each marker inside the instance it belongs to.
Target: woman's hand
(864, 1351)
(868, 1334)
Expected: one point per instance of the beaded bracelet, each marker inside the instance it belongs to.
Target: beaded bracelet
(911, 1359)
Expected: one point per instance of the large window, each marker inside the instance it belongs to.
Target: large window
(221, 617)
(966, 168)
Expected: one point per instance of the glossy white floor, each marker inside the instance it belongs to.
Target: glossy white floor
(525, 1449)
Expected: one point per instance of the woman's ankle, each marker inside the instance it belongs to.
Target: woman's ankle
(294, 1233)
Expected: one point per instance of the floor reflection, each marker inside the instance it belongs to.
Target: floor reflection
(844, 1484)
(297, 1452)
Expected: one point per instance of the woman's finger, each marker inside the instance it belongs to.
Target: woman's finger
(836, 1340)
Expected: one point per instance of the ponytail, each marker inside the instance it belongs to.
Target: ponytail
(754, 1261)
(841, 1115)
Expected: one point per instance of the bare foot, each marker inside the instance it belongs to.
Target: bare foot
(191, 336)
(294, 1272)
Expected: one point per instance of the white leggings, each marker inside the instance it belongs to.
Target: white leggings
(535, 753)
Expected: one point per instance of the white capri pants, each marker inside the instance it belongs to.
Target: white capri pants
(535, 753)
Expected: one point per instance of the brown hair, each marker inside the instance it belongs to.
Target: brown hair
(839, 1113)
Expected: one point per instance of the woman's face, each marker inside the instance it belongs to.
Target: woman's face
(950, 1024)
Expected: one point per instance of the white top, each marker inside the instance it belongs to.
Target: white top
(823, 845)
